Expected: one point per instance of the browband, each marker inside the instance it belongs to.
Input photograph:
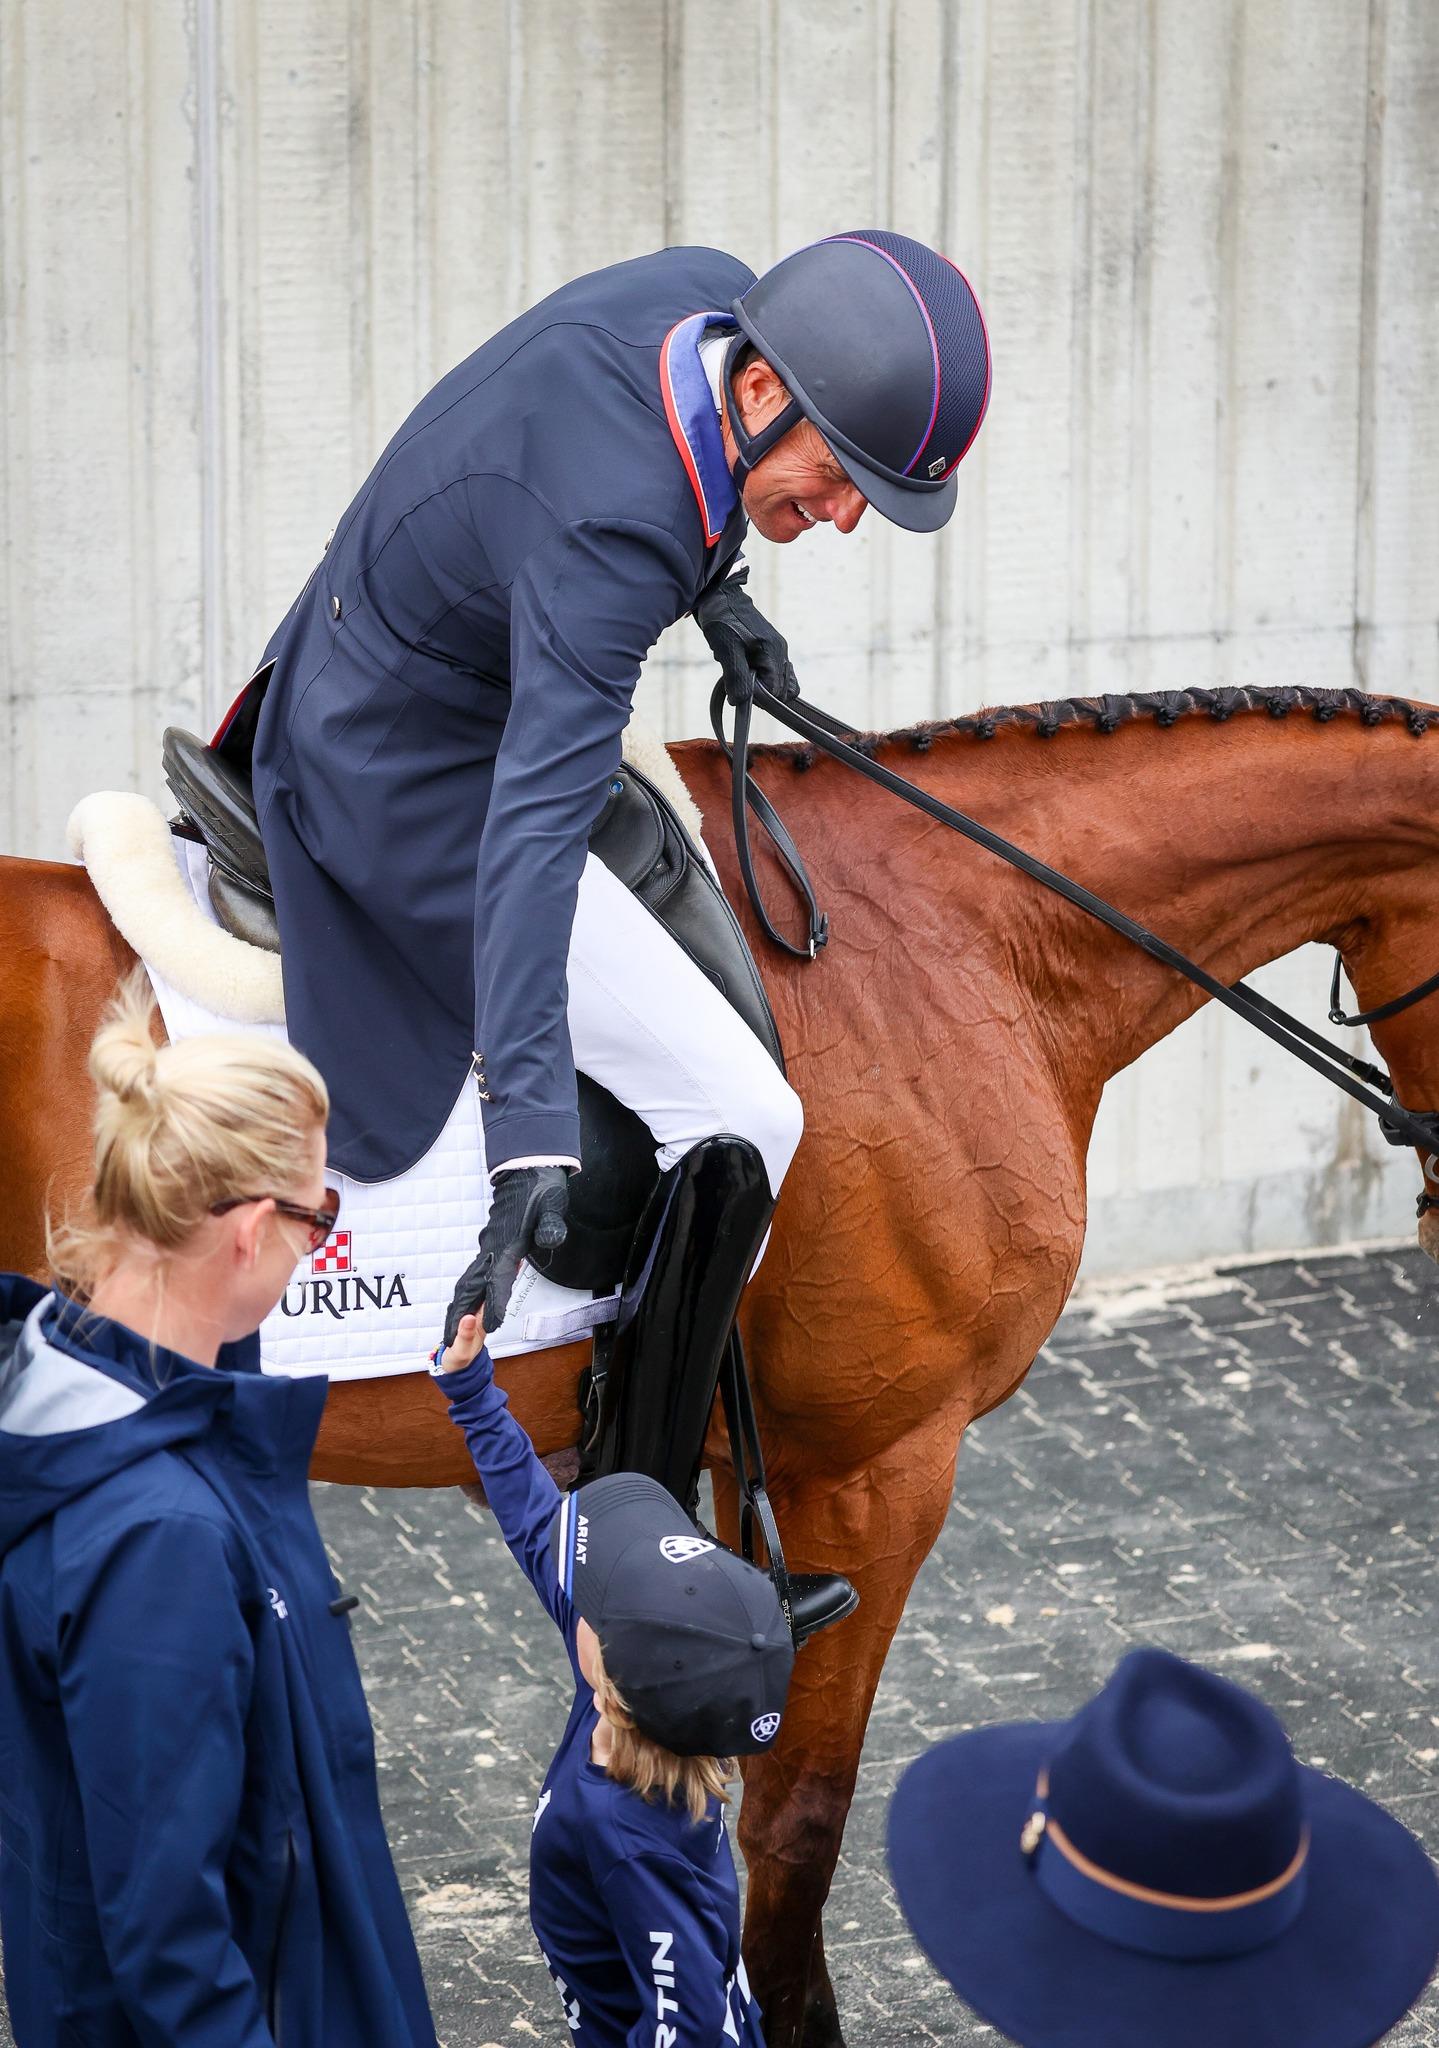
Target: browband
(1157, 1923)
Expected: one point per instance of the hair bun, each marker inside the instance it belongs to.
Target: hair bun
(124, 1061)
(177, 1128)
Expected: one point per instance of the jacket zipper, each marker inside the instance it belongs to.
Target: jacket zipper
(272, 2000)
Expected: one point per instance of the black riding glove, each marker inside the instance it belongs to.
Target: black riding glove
(744, 643)
(526, 1215)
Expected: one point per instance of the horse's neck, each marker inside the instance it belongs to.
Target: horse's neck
(1236, 842)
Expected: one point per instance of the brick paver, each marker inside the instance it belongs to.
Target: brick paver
(1241, 1467)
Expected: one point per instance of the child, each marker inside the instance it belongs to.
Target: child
(682, 1660)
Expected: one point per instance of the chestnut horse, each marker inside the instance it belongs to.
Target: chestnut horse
(951, 1046)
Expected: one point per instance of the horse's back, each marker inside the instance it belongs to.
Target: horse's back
(60, 959)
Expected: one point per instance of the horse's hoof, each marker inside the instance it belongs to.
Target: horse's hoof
(821, 2024)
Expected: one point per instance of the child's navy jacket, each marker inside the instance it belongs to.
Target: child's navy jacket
(636, 1908)
(191, 1849)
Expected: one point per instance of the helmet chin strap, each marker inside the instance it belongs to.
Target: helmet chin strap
(751, 449)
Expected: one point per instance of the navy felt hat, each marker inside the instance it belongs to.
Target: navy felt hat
(694, 1638)
(1161, 1870)
(881, 344)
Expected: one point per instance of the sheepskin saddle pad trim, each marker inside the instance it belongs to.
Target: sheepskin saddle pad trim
(125, 845)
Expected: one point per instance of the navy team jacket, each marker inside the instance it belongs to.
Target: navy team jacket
(191, 1848)
(635, 1906)
(448, 695)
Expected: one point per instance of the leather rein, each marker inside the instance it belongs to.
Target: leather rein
(1367, 1084)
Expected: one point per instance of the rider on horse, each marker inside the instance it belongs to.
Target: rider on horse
(444, 709)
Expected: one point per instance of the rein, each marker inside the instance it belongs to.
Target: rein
(1366, 1083)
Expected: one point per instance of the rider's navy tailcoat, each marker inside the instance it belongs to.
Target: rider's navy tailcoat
(448, 695)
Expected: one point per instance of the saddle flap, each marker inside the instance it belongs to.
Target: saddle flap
(244, 912)
(216, 796)
(640, 838)
(628, 835)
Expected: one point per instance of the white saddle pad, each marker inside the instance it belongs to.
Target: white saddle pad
(372, 1300)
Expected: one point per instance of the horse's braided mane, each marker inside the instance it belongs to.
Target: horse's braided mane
(1107, 714)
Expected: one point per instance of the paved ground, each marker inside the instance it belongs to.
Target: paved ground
(1242, 1466)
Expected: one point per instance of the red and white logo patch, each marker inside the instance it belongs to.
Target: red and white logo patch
(333, 1255)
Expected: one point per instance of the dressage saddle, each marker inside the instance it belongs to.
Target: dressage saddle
(639, 837)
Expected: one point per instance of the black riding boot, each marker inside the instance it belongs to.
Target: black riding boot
(695, 1246)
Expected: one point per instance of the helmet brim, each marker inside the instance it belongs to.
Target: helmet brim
(915, 507)
(917, 511)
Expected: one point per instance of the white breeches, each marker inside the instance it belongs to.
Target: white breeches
(649, 1026)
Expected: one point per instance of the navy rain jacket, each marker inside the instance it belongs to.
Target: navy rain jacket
(448, 695)
(191, 1849)
(634, 1905)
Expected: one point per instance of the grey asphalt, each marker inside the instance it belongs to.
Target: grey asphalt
(1241, 1466)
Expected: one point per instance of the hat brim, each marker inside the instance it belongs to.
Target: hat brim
(1352, 1963)
(916, 511)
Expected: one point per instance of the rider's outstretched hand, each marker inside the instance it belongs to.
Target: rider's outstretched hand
(526, 1215)
(747, 647)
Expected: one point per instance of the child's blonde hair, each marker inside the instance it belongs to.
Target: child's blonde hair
(647, 1767)
(177, 1128)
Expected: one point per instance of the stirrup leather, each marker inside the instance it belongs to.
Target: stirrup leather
(810, 1600)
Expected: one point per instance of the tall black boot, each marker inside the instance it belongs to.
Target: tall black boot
(656, 1372)
(695, 1245)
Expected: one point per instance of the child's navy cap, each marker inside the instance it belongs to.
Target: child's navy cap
(694, 1638)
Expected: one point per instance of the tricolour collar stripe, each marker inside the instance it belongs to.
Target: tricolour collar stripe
(694, 423)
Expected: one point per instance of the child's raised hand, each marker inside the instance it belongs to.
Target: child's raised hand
(465, 1345)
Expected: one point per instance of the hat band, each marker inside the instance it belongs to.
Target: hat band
(1159, 1923)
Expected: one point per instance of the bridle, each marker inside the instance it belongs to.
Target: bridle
(1365, 1083)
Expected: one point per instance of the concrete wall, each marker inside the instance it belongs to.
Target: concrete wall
(239, 237)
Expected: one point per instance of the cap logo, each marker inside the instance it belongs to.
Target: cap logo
(764, 1726)
(937, 465)
(680, 1549)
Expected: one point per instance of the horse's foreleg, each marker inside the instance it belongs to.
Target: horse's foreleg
(875, 1525)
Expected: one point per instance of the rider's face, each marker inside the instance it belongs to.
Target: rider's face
(798, 484)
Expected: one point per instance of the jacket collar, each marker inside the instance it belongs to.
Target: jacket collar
(694, 422)
(267, 1422)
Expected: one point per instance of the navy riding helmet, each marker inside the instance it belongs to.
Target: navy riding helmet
(881, 344)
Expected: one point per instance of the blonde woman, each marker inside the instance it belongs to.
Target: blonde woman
(191, 1849)
(682, 1660)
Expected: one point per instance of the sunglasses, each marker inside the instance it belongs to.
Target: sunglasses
(321, 1221)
